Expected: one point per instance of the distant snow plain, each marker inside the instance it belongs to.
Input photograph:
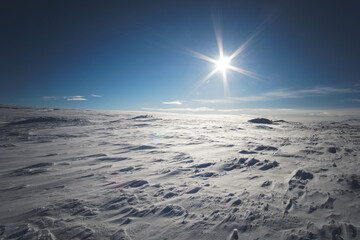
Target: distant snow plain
(81, 174)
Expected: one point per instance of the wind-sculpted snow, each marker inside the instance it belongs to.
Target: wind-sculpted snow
(78, 174)
(39, 121)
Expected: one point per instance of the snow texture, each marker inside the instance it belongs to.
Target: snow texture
(79, 174)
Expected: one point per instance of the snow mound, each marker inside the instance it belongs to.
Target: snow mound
(261, 120)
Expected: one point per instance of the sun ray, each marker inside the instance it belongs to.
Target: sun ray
(226, 85)
(247, 43)
(244, 72)
(207, 77)
(199, 55)
(219, 40)
(243, 46)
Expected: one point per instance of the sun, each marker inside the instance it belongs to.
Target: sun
(224, 61)
(223, 64)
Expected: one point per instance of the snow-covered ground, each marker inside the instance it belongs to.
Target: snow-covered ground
(76, 174)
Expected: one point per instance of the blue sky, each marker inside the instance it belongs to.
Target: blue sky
(134, 55)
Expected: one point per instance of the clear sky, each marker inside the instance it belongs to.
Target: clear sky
(139, 55)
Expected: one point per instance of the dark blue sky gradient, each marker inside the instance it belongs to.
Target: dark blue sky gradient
(130, 53)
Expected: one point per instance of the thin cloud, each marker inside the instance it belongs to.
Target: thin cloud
(327, 91)
(248, 99)
(318, 91)
(173, 103)
(225, 100)
(48, 98)
(295, 113)
(353, 100)
(75, 98)
(95, 95)
(282, 94)
(68, 98)
(199, 109)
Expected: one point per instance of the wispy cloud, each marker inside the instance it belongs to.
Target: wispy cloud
(326, 91)
(296, 113)
(75, 98)
(173, 103)
(48, 98)
(353, 100)
(317, 91)
(199, 109)
(224, 100)
(68, 98)
(282, 94)
(95, 95)
(248, 98)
